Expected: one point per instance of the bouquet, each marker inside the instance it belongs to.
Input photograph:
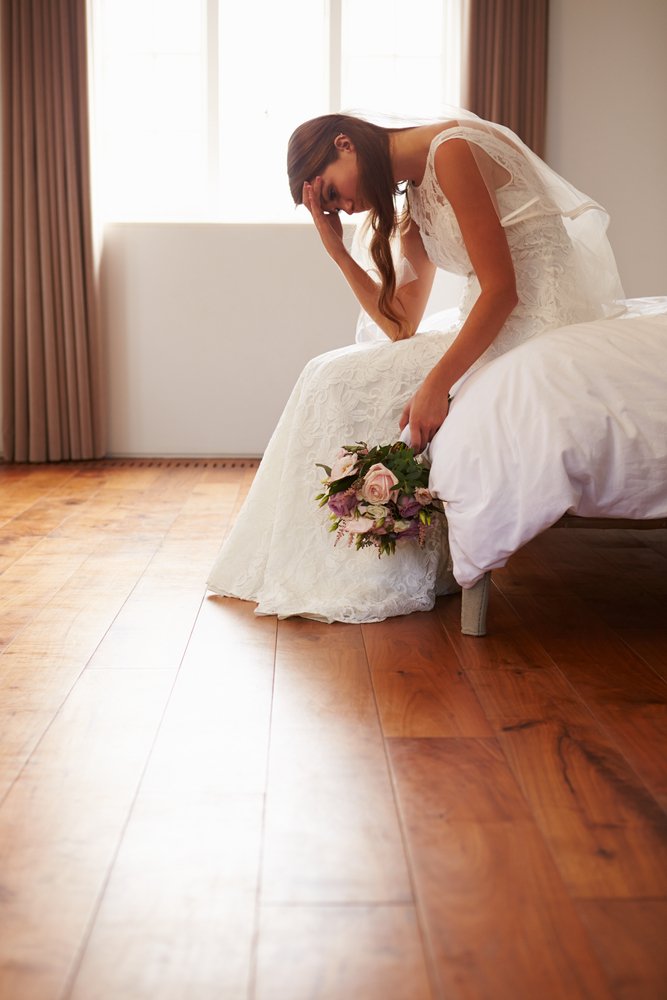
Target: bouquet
(378, 496)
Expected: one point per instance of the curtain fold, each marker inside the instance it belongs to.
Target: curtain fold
(53, 406)
(505, 65)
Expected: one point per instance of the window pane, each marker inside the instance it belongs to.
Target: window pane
(395, 57)
(150, 91)
(273, 75)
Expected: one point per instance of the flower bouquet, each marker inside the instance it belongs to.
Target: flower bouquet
(378, 496)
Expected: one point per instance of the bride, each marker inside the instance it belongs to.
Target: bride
(477, 202)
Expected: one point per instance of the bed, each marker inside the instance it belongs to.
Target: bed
(568, 429)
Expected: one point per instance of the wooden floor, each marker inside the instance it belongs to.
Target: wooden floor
(198, 803)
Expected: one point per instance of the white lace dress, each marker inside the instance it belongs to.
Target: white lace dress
(279, 552)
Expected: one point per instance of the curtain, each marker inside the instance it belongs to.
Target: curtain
(505, 65)
(51, 353)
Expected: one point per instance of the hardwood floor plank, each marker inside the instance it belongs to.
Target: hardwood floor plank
(651, 645)
(624, 583)
(61, 823)
(332, 832)
(497, 916)
(656, 540)
(154, 625)
(456, 779)
(623, 693)
(418, 682)
(178, 914)
(214, 738)
(32, 581)
(21, 486)
(43, 662)
(40, 518)
(331, 952)
(629, 937)
(625, 696)
(605, 830)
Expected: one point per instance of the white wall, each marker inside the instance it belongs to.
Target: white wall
(208, 327)
(606, 123)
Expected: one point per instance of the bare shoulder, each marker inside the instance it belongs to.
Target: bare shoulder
(455, 161)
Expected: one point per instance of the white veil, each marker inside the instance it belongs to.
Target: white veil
(599, 292)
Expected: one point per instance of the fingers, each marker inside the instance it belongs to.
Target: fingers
(425, 413)
(313, 193)
(328, 224)
(308, 198)
(416, 432)
(418, 440)
(312, 197)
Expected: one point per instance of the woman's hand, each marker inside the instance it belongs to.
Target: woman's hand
(425, 413)
(328, 224)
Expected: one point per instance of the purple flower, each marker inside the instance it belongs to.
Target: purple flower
(342, 504)
(411, 532)
(407, 506)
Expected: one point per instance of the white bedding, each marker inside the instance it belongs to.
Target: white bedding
(573, 421)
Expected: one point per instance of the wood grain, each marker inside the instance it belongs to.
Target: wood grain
(418, 682)
(332, 833)
(60, 825)
(330, 952)
(491, 896)
(629, 937)
(187, 871)
(197, 801)
(622, 691)
(606, 831)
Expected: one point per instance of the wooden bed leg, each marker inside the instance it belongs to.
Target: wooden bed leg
(473, 607)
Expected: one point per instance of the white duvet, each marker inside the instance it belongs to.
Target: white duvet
(572, 421)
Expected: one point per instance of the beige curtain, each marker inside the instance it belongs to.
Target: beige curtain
(51, 358)
(505, 64)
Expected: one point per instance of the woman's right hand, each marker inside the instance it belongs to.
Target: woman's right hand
(328, 224)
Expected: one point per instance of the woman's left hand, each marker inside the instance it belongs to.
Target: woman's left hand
(425, 413)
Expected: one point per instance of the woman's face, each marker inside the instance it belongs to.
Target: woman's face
(340, 181)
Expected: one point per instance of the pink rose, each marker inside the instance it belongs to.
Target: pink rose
(378, 484)
(423, 496)
(358, 525)
(344, 465)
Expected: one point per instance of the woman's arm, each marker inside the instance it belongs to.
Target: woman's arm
(486, 243)
(409, 301)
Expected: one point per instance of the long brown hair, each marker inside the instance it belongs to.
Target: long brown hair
(310, 151)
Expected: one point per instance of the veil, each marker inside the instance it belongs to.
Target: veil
(538, 190)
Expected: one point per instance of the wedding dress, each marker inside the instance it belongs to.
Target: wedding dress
(279, 552)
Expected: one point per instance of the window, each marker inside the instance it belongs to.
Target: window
(194, 100)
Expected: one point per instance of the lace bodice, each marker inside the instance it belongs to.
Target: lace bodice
(521, 198)
(554, 284)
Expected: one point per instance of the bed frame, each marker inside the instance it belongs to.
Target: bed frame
(475, 601)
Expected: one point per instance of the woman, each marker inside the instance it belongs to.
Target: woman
(478, 203)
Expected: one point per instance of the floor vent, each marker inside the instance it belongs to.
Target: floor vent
(180, 463)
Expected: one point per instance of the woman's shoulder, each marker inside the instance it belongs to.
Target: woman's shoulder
(429, 138)
(498, 157)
